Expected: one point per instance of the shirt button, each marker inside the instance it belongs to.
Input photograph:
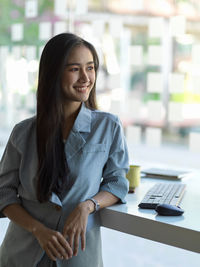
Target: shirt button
(58, 208)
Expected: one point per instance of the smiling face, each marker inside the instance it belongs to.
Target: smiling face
(78, 76)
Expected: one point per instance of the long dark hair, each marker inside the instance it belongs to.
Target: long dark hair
(52, 164)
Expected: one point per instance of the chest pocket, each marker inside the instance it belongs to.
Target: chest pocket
(91, 148)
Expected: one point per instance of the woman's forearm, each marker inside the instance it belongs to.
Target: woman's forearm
(105, 199)
(17, 214)
(50, 240)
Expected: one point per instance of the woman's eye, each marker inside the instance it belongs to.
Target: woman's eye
(74, 69)
(90, 68)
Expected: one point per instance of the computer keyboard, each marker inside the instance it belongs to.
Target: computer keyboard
(163, 193)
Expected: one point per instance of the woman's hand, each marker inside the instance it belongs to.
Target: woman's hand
(53, 242)
(75, 225)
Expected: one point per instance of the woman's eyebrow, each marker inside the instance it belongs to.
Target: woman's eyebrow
(78, 64)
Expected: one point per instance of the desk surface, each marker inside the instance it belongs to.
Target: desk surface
(179, 231)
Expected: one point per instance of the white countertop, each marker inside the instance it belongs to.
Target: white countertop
(179, 231)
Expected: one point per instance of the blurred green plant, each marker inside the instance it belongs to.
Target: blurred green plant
(13, 11)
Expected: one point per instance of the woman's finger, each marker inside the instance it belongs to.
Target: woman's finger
(83, 241)
(55, 250)
(66, 247)
(64, 253)
(76, 243)
(65, 230)
(50, 254)
(71, 239)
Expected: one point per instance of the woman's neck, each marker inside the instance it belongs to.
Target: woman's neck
(71, 110)
(70, 114)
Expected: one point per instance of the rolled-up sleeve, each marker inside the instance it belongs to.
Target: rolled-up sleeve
(117, 165)
(9, 175)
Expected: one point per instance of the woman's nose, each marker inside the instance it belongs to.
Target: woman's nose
(84, 76)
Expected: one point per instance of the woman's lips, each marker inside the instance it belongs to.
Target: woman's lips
(81, 89)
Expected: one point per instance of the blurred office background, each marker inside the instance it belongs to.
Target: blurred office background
(149, 75)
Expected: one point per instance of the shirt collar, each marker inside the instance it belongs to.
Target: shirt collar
(83, 120)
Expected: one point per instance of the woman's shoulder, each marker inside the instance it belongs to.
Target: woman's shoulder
(23, 129)
(25, 125)
(103, 115)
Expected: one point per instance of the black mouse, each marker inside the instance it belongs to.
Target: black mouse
(169, 210)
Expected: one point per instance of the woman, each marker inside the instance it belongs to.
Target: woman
(62, 165)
